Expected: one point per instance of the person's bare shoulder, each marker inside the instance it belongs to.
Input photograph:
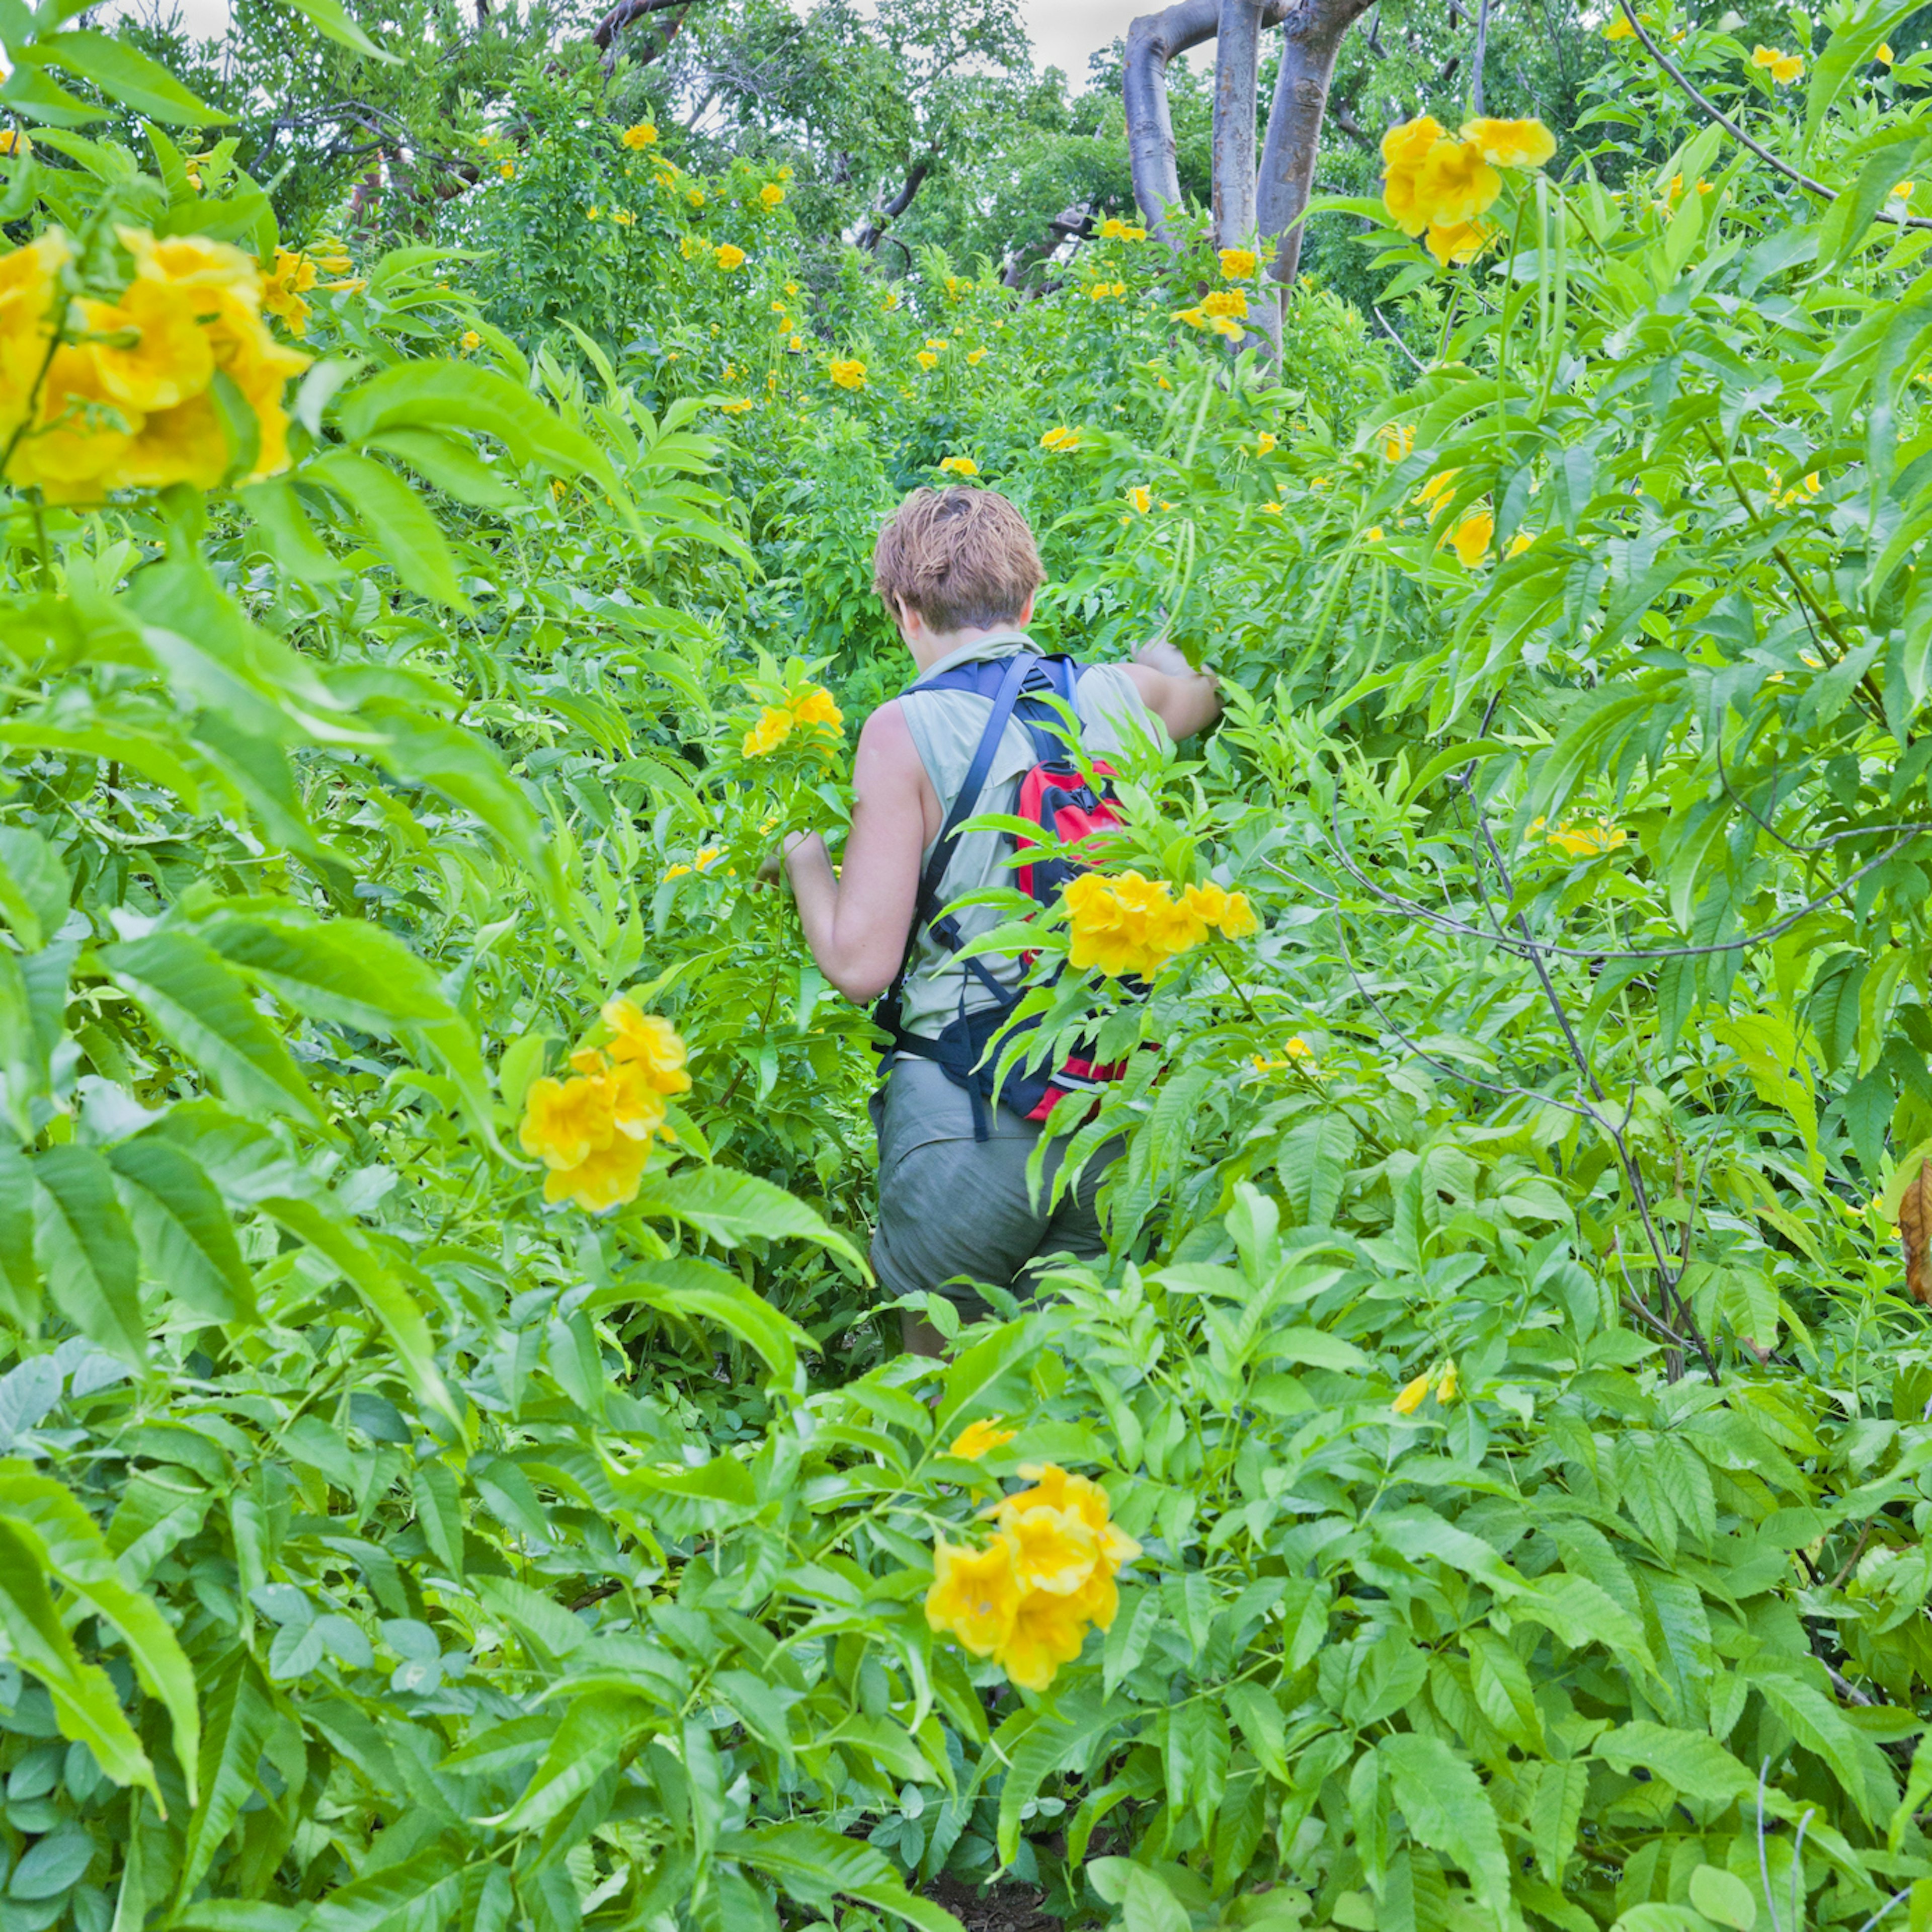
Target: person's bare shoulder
(888, 769)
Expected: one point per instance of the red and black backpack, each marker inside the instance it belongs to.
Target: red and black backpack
(1055, 795)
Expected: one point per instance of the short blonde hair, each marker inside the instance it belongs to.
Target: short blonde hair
(959, 556)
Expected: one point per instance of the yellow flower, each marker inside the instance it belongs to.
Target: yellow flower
(772, 729)
(1195, 318)
(771, 194)
(1046, 1632)
(1060, 437)
(564, 1121)
(795, 345)
(791, 288)
(1238, 264)
(1405, 148)
(1581, 841)
(283, 286)
(926, 359)
(508, 170)
(1511, 144)
(975, 357)
(1462, 242)
(1438, 486)
(736, 406)
(959, 466)
(1112, 229)
(974, 1595)
(1520, 542)
(1413, 1395)
(1884, 54)
(815, 705)
(12, 141)
(1057, 1550)
(647, 1041)
(977, 1437)
(1446, 1389)
(593, 213)
(1055, 1488)
(695, 196)
(1456, 183)
(1141, 498)
(1783, 66)
(1471, 539)
(150, 351)
(1903, 190)
(676, 872)
(1226, 302)
(1619, 28)
(1374, 533)
(1398, 440)
(643, 135)
(604, 1179)
(1264, 443)
(1270, 509)
(731, 256)
(848, 373)
(622, 217)
(471, 340)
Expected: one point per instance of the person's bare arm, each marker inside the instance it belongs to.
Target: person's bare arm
(856, 921)
(1185, 700)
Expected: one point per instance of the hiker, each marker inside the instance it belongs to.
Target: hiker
(957, 569)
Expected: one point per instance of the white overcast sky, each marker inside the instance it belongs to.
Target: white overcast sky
(1064, 31)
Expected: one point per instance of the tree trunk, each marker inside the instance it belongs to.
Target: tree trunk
(1153, 41)
(1309, 39)
(1237, 61)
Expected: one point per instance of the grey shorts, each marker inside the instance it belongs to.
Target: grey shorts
(951, 1207)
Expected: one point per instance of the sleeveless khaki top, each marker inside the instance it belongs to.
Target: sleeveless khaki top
(946, 727)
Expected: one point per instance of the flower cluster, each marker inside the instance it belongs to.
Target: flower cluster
(1027, 1599)
(1238, 264)
(593, 1131)
(296, 273)
(1415, 1393)
(644, 134)
(1062, 439)
(1782, 67)
(848, 372)
(959, 466)
(1438, 188)
(116, 394)
(812, 707)
(1124, 923)
(1113, 229)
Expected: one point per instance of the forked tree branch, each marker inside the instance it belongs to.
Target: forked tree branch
(1237, 67)
(1152, 41)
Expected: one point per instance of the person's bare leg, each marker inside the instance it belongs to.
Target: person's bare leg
(918, 1337)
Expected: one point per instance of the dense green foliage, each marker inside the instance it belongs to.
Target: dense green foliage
(382, 1548)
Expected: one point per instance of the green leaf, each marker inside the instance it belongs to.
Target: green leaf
(277, 507)
(449, 466)
(1314, 1347)
(330, 17)
(471, 397)
(1844, 226)
(34, 888)
(814, 1865)
(733, 1208)
(381, 1291)
(77, 1553)
(972, 1374)
(1724, 1896)
(84, 1705)
(186, 1239)
(86, 1250)
(379, 1896)
(240, 1714)
(1448, 1810)
(397, 521)
(124, 74)
(348, 971)
(596, 1731)
(696, 1289)
(202, 1008)
(1850, 48)
(19, 1271)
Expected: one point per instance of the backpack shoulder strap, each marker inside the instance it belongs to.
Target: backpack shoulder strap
(1012, 673)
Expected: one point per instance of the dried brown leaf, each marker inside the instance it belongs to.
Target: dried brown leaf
(1915, 1230)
